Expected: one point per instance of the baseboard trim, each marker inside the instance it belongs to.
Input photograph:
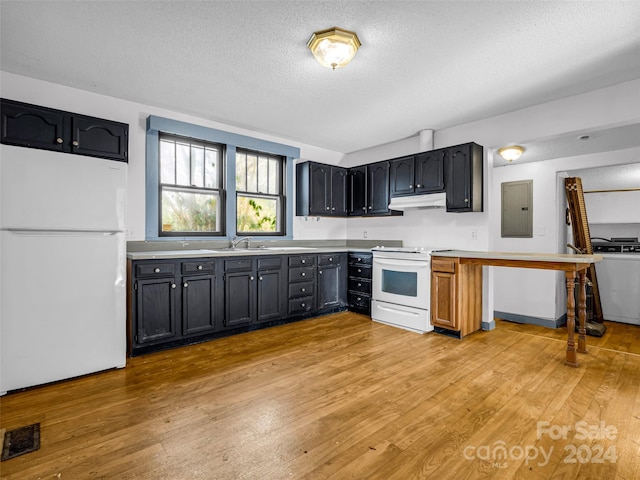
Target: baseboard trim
(543, 322)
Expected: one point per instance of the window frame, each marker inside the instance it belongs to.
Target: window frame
(219, 190)
(157, 125)
(280, 197)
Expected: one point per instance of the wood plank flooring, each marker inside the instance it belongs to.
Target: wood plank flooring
(342, 397)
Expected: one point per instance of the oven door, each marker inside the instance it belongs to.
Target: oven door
(402, 282)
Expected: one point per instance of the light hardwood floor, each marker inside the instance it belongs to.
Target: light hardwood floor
(341, 397)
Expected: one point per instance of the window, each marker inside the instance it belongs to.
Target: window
(190, 187)
(259, 193)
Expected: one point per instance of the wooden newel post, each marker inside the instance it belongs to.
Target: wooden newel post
(582, 315)
(572, 359)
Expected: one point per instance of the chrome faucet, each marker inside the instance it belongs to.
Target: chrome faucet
(236, 240)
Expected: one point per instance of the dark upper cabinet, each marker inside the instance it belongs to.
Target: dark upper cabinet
(416, 174)
(429, 171)
(357, 204)
(33, 126)
(402, 176)
(378, 188)
(321, 189)
(463, 178)
(99, 138)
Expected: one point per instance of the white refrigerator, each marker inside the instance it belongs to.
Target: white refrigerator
(63, 266)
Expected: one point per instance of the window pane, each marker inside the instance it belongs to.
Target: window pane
(256, 214)
(190, 211)
(211, 168)
(197, 166)
(167, 162)
(263, 175)
(183, 161)
(252, 173)
(273, 176)
(241, 171)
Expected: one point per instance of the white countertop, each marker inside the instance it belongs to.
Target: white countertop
(530, 257)
(203, 253)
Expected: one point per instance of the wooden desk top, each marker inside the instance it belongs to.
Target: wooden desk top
(547, 261)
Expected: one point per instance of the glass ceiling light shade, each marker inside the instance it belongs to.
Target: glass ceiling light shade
(511, 153)
(334, 47)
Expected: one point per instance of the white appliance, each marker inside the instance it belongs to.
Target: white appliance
(427, 200)
(401, 287)
(619, 279)
(63, 254)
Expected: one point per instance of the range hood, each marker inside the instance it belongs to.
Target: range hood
(429, 200)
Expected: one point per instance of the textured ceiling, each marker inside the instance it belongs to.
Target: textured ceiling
(422, 65)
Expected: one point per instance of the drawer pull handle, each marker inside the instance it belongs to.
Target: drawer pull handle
(173, 285)
(303, 274)
(303, 290)
(303, 305)
(331, 259)
(156, 270)
(359, 298)
(359, 270)
(359, 284)
(304, 261)
(199, 267)
(185, 285)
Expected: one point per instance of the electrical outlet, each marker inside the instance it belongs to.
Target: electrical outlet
(364, 234)
(474, 234)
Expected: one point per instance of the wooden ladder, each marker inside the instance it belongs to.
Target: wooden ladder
(582, 236)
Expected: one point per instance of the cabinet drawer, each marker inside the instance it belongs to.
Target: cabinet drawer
(359, 285)
(359, 300)
(300, 289)
(443, 265)
(300, 305)
(299, 260)
(197, 267)
(360, 259)
(301, 274)
(238, 264)
(155, 270)
(329, 259)
(362, 271)
(270, 263)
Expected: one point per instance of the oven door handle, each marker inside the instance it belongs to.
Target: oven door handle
(398, 311)
(401, 263)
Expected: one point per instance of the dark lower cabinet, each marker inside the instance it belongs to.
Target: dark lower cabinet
(33, 126)
(239, 298)
(359, 282)
(331, 281)
(155, 310)
(199, 304)
(181, 301)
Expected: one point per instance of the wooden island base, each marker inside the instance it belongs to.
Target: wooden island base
(462, 289)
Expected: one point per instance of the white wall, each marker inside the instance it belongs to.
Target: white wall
(48, 94)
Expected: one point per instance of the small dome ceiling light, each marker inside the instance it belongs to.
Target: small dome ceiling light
(511, 153)
(334, 47)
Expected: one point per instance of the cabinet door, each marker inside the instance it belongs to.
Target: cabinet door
(357, 191)
(155, 310)
(239, 298)
(99, 138)
(319, 189)
(198, 304)
(402, 176)
(32, 126)
(429, 172)
(270, 295)
(328, 287)
(443, 300)
(338, 191)
(378, 189)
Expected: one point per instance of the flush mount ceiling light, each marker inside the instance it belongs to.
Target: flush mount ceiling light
(511, 153)
(334, 47)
